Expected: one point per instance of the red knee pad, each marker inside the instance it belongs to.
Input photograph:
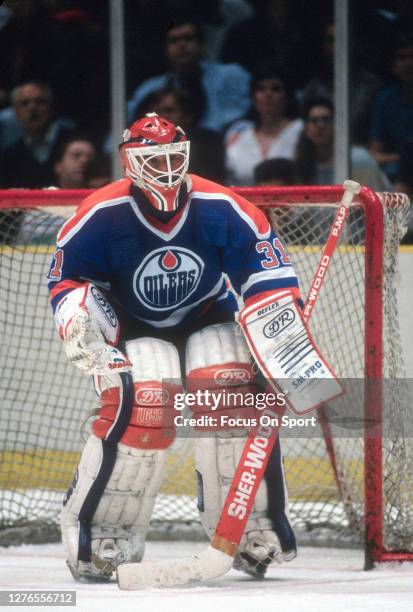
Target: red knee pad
(151, 425)
(230, 390)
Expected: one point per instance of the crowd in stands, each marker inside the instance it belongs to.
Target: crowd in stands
(251, 82)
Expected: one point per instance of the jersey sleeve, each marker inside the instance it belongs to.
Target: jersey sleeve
(78, 258)
(255, 258)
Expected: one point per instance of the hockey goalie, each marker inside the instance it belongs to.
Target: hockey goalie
(141, 299)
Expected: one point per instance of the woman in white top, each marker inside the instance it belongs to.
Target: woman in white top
(270, 133)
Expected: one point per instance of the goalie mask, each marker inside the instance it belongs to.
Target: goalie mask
(155, 156)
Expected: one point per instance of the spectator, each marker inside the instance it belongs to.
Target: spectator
(73, 161)
(315, 151)
(364, 85)
(221, 90)
(10, 128)
(392, 120)
(64, 43)
(277, 171)
(272, 131)
(207, 148)
(29, 162)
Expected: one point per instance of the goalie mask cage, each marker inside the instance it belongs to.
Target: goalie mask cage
(347, 482)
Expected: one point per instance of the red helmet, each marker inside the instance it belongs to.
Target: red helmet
(155, 156)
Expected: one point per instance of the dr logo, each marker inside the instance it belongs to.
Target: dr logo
(232, 376)
(167, 277)
(152, 396)
(279, 323)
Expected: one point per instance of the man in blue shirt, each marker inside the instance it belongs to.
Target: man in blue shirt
(222, 89)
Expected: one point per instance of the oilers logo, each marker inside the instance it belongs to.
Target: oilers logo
(167, 277)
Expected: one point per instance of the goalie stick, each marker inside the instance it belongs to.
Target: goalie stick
(217, 559)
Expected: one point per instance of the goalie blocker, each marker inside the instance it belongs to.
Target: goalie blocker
(286, 353)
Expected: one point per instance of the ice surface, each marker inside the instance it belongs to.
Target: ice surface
(319, 580)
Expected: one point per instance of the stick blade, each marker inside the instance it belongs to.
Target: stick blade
(209, 564)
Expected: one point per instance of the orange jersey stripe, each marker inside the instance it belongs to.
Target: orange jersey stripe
(63, 286)
(105, 194)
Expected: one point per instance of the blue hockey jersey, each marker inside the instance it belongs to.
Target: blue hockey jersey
(165, 274)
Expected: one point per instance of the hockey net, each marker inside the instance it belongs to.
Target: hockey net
(349, 480)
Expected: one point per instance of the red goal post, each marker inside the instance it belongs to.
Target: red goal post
(356, 324)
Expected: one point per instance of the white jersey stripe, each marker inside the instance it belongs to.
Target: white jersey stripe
(284, 272)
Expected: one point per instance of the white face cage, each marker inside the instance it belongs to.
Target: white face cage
(161, 165)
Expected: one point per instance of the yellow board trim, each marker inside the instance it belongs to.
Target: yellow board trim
(308, 479)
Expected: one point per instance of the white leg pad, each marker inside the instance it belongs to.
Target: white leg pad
(216, 461)
(121, 520)
(119, 524)
(217, 456)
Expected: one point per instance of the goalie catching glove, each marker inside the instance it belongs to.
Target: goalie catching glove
(89, 329)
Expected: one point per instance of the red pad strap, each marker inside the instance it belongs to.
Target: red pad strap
(230, 403)
(152, 420)
(219, 376)
(138, 437)
(148, 393)
(143, 416)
